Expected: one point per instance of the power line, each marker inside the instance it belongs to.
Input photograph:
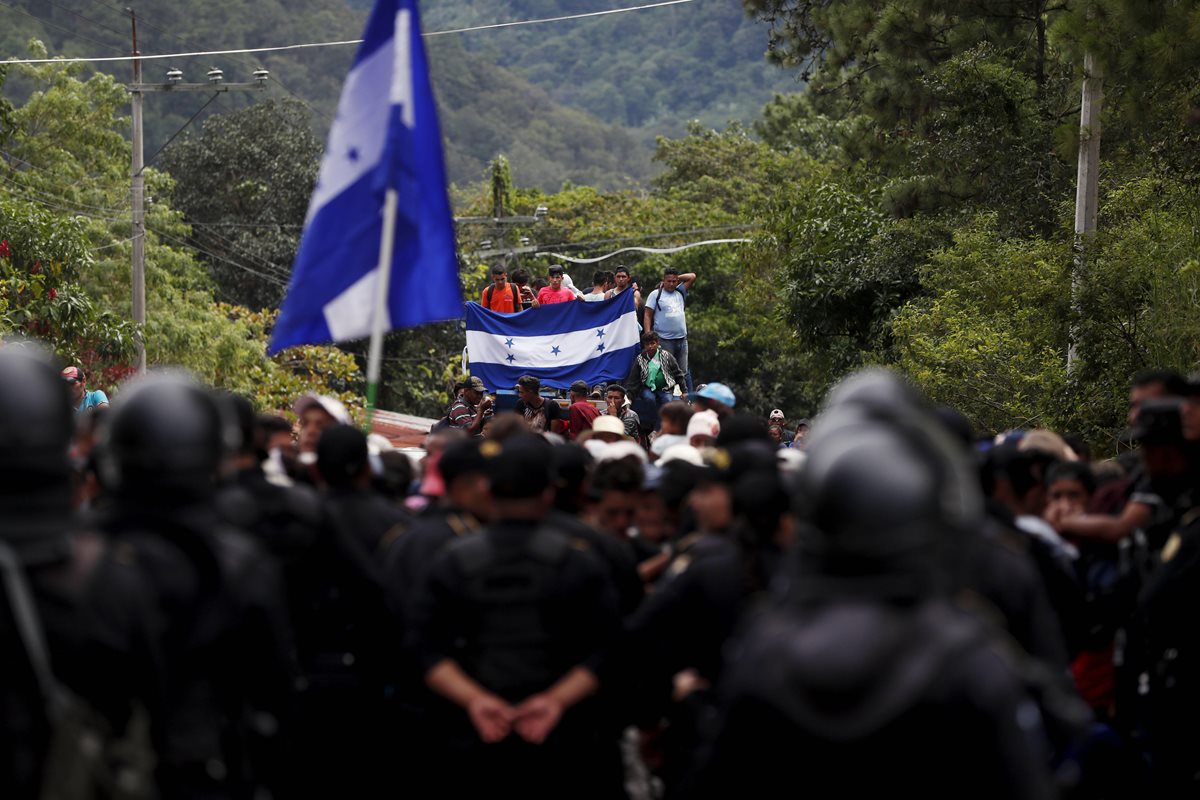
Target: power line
(243, 267)
(43, 202)
(182, 128)
(11, 178)
(88, 20)
(65, 29)
(344, 42)
(40, 201)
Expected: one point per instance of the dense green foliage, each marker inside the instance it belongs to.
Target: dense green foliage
(65, 261)
(943, 244)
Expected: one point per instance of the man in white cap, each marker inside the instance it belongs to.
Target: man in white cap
(315, 413)
(777, 418)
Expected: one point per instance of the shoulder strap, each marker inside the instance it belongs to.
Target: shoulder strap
(516, 297)
(487, 296)
(29, 626)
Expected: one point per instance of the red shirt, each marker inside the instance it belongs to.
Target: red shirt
(581, 415)
(548, 295)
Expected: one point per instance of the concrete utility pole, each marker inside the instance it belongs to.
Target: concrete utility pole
(1087, 180)
(139, 221)
(216, 83)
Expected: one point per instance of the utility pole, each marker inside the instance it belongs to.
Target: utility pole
(1087, 181)
(498, 222)
(139, 220)
(216, 83)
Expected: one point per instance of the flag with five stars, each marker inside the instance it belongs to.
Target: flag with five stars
(559, 344)
(385, 135)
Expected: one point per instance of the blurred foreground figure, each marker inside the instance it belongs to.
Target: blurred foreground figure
(75, 654)
(218, 617)
(866, 677)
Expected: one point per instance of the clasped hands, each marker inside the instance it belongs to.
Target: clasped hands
(533, 719)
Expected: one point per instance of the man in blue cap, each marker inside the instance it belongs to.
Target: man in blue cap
(715, 397)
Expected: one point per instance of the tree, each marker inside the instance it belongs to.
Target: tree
(64, 264)
(243, 184)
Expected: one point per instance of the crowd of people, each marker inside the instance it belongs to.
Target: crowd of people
(204, 602)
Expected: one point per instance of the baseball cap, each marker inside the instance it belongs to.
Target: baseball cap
(606, 423)
(718, 392)
(777, 413)
(330, 405)
(519, 467)
(703, 423)
(71, 375)
(471, 383)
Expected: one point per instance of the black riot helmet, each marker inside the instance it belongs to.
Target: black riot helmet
(36, 425)
(166, 439)
(36, 417)
(885, 492)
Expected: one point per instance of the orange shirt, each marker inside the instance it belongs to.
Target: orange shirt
(502, 299)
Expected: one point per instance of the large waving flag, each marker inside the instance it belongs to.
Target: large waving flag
(385, 136)
(560, 343)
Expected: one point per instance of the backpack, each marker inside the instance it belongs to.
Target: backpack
(84, 759)
(489, 291)
(658, 297)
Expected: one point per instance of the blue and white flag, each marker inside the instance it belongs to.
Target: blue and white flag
(560, 343)
(385, 136)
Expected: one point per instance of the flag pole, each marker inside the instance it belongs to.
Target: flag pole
(378, 321)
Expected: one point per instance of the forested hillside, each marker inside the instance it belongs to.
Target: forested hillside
(577, 101)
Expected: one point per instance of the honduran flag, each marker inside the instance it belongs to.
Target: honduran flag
(559, 343)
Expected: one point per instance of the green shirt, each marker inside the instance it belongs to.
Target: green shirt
(654, 375)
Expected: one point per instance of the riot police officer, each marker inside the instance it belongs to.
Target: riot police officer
(866, 678)
(218, 616)
(511, 627)
(82, 648)
(1160, 679)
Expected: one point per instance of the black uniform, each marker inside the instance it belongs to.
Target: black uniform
(410, 557)
(1164, 663)
(864, 699)
(88, 604)
(865, 678)
(517, 607)
(219, 617)
(347, 640)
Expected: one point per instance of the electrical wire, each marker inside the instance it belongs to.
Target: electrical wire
(243, 267)
(40, 201)
(88, 20)
(182, 128)
(65, 29)
(275, 279)
(12, 179)
(660, 250)
(307, 45)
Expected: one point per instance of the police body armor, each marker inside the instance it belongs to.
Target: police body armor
(509, 584)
